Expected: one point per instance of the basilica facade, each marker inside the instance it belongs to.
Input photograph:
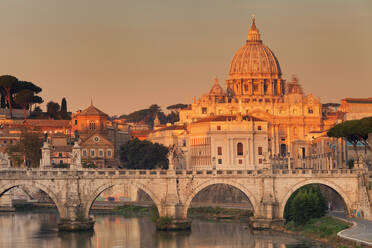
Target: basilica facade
(255, 95)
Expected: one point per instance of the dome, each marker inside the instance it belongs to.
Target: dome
(216, 89)
(254, 59)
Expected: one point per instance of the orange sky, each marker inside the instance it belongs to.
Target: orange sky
(127, 55)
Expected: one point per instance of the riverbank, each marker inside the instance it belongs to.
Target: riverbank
(324, 230)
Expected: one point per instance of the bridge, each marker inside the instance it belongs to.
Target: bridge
(75, 190)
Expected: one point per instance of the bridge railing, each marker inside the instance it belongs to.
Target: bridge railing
(37, 173)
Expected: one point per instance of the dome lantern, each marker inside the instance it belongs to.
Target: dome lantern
(254, 33)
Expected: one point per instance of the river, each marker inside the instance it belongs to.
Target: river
(39, 230)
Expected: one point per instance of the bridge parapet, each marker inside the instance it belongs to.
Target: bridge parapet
(114, 173)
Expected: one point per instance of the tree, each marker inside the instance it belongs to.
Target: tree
(177, 106)
(353, 131)
(53, 109)
(63, 111)
(136, 154)
(28, 148)
(24, 98)
(7, 82)
(31, 144)
(305, 204)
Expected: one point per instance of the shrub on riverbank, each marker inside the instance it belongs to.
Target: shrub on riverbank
(305, 204)
(131, 210)
(218, 213)
(325, 228)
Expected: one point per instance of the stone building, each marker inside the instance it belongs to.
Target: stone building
(100, 139)
(255, 88)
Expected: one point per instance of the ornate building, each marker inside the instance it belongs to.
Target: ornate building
(255, 88)
(99, 138)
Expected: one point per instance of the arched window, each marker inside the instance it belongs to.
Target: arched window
(92, 125)
(239, 149)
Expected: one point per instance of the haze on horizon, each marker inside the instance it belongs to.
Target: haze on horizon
(127, 55)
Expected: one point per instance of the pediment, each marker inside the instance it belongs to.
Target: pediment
(260, 114)
(96, 139)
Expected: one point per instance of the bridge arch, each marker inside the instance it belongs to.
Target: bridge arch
(5, 187)
(305, 182)
(208, 183)
(92, 197)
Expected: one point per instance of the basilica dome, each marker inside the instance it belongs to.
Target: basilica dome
(254, 59)
(216, 89)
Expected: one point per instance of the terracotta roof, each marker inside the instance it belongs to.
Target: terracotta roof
(358, 100)
(62, 149)
(47, 123)
(173, 127)
(91, 110)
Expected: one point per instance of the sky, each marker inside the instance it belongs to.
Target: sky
(126, 55)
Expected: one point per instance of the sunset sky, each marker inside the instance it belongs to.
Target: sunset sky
(127, 55)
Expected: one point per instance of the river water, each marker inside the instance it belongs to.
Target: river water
(39, 230)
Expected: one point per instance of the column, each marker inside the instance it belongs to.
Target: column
(253, 161)
(277, 139)
(273, 148)
(289, 138)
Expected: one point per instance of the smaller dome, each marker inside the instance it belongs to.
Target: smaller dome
(216, 89)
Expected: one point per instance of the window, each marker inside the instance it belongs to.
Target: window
(239, 149)
(240, 161)
(219, 150)
(218, 128)
(60, 154)
(219, 161)
(204, 110)
(109, 153)
(84, 153)
(92, 125)
(310, 110)
(92, 153)
(75, 122)
(184, 142)
(259, 128)
(260, 161)
(60, 161)
(259, 150)
(100, 153)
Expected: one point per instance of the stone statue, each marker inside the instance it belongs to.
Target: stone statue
(4, 160)
(77, 136)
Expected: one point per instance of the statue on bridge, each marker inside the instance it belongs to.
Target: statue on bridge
(175, 157)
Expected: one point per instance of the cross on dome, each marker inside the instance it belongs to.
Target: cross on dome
(254, 33)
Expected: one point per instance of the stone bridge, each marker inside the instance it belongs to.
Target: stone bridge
(74, 191)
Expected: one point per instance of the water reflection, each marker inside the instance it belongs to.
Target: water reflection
(40, 230)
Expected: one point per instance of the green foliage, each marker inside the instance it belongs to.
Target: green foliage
(217, 212)
(353, 131)
(305, 204)
(325, 227)
(63, 112)
(28, 148)
(10, 87)
(131, 210)
(53, 109)
(15, 154)
(136, 154)
(31, 144)
(163, 222)
(61, 166)
(350, 163)
(148, 116)
(177, 106)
